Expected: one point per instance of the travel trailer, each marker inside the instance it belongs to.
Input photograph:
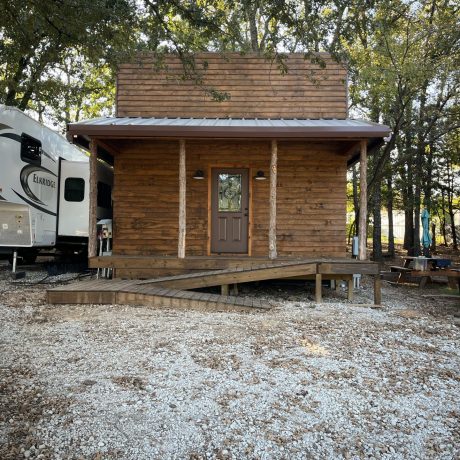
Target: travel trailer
(44, 189)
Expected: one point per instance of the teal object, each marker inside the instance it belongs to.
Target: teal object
(426, 238)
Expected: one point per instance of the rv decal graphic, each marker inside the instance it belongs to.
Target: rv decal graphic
(3, 126)
(34, 205)
(12, 136)
(1, 198)
(39, 176)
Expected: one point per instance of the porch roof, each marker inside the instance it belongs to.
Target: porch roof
(228, 128)
(124, 127)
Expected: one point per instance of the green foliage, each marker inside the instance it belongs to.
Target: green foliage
(47, 46)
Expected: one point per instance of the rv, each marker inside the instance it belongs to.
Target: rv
(44, 189)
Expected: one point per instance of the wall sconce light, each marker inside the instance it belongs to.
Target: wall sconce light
(260, 175)
(198, 174)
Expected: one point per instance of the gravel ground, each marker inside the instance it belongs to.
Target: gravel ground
(329, 381)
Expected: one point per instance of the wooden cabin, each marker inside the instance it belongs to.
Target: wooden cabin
(258, 176)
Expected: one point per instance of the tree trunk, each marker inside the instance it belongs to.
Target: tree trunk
(450, 202)
(391, 236)
(428, 183)
(416, 237)
(433, 237)
(409, 231)
(351, 231)
(408, 215)
(362, 227)
(408, 200)
(442, 218)
(355, 198)
(251, 15)
(377, 231)
(417, 200)
(452, 225)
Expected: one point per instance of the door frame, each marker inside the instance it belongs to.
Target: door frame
(250, 219)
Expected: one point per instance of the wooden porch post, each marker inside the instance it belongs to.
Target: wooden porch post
(182, 201)
(272, 253)
(92, 224)
(362, 232)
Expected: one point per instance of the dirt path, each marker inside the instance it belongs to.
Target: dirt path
(301, 381)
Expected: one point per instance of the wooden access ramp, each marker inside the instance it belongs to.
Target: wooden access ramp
(175, 291)
(234, 275)
(132, 293)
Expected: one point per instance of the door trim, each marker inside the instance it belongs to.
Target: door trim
(250, 217)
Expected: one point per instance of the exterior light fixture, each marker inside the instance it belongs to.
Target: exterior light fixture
(198, 174)
(260, 176)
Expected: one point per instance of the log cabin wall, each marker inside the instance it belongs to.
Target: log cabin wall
(256, 88)
(146, 198)
(311, 201)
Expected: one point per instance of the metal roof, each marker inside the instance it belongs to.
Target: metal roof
(279, 128)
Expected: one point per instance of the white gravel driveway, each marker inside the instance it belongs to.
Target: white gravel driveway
(298, 382)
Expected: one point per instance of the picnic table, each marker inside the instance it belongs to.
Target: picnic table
(430, 266)
(433, 263)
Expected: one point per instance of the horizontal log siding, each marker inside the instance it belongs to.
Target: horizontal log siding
(256, 88)
(146, 198)
(311, 200)
(206, 154)
(310, 204)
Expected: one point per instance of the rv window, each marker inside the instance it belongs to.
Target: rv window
(104, 195)
(74, 189)
(31, 149)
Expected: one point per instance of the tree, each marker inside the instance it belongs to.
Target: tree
(43, 43)
(404, 60)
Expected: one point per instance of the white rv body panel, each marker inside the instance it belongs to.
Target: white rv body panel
(31, 184)
(74, 208)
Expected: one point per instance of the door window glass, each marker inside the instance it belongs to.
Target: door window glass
(230, 192)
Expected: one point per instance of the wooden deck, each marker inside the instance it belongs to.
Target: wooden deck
(174, 291)
(138, 267)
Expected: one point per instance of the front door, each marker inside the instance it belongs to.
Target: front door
(229, 210)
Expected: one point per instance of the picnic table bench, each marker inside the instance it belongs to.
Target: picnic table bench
(432, 266)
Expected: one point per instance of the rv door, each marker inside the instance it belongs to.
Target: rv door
(73, 208)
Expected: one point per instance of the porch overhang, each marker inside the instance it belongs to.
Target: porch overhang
(227, 128)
